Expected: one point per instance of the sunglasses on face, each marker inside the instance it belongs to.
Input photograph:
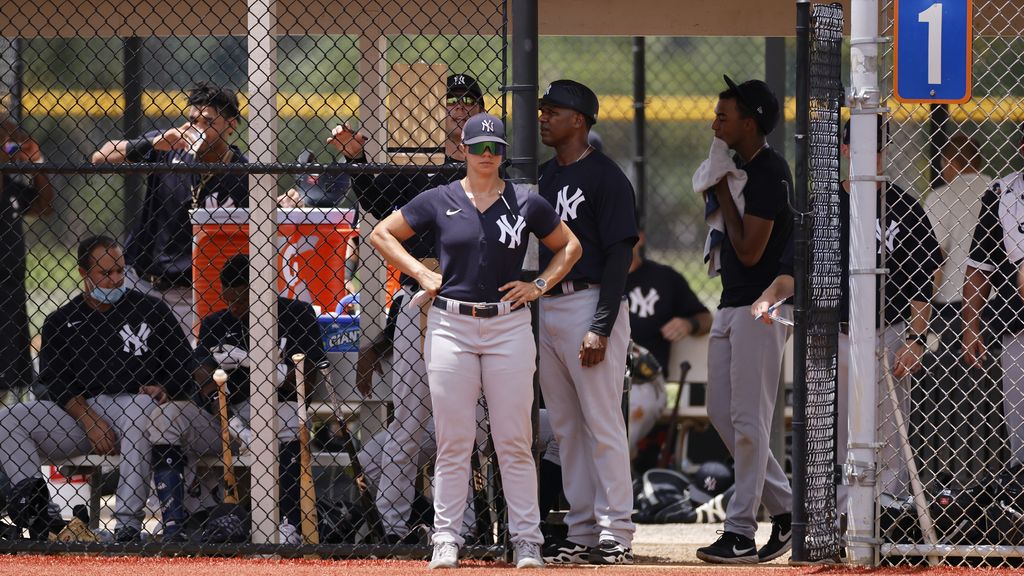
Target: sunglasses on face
(466, 100)
(478, 149)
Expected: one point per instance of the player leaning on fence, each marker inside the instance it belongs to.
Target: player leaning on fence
(745, 358)
(108, 358)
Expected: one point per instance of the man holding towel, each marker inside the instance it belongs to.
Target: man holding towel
(745, 358)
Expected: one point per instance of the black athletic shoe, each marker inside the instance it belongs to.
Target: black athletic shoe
(566, 552)
(127, 535)
(731, 548)
(781, 540)
(611, 552)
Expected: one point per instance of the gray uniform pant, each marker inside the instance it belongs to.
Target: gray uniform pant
(408, 429)
(893, 476)
(34, 431)
(182, 423)
(464, 356)
(744, 365)
(585, 407)
(1012, 363)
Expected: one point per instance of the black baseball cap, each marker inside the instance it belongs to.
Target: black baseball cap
(882, 135)
(758, 98)
(464, 84)
(483, 127)
(710, 480)
(573, 95)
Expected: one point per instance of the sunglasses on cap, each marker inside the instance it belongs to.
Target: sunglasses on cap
(464, 99)
(478, 149)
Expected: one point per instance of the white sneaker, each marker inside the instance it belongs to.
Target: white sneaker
(446, 555)
(527, 555)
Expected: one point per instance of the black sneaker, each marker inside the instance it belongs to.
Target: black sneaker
(611, 552)
(566, 552)
(731, 548)
(781, 540)
(127, 535)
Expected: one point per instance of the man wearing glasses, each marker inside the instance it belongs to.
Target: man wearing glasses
(380, 195)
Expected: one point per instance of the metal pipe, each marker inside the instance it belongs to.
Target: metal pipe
(18, 65)
(640, 126)
(938, 115)
(863, 100)
(131, 123)
(802, 302)
(523, 159)
(262, 71)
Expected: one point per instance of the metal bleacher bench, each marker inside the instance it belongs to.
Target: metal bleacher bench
(93, 465)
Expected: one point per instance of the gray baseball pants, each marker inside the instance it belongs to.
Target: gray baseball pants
(744, 365)
(34, 431)
(1012, 363)
(466, 356)
(408, 429)
(585, 407)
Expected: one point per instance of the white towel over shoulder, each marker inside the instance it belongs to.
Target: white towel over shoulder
(717, 166)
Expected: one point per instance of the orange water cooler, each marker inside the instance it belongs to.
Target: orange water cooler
(310, 244)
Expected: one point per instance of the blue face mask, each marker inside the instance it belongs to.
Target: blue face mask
(108, 295)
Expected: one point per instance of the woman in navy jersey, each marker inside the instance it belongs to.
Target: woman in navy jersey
(478, 329)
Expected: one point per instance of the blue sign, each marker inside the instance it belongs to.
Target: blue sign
(933, 51)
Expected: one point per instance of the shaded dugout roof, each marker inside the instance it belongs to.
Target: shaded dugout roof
(557, 17)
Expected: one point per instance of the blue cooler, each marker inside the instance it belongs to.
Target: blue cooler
(340, 333)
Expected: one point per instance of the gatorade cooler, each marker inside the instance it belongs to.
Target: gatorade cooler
(311, 245)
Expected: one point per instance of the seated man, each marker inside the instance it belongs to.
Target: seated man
(108, 358)
(187, 432)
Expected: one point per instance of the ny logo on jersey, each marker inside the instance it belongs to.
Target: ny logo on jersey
(890, 235)
(643, 305)
(567, 205)
(514, 230)
(487, 126)
(135, 343)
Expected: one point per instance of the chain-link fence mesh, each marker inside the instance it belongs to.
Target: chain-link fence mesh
(152, 128)
(955, 164)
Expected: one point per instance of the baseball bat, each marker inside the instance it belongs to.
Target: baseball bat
(230, 486)
(671, 434)
(365, 500)
(924, 517)
(307, 493)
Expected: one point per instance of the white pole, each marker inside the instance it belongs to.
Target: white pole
(262, 120)
(860, 466)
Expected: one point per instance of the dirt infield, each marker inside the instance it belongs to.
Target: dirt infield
(136, 566)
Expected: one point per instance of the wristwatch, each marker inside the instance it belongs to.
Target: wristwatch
(541, 284)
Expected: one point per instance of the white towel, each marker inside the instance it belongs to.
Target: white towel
(717, 166)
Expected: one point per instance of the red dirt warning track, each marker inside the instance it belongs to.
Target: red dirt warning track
(138, 566)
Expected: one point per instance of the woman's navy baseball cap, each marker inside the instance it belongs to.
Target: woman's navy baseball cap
(573, 95)
(758, 98)
(483, 128)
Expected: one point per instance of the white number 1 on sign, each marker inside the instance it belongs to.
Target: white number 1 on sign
(933, 18)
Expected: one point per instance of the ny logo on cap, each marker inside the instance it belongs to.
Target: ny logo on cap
(459, 80)
(487, 125)
(548, 91)
(760, 109)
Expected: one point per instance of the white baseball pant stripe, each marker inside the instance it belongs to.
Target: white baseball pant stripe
(32, 431)
(585, 408)
(464, 356)
(408, 430)
(744, 365)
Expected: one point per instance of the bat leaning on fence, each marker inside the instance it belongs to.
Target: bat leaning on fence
(220, 377)
(365, 500)
(668, 449)
(924, 517)
(307, 492)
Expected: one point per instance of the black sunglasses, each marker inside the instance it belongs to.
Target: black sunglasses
(466, 100)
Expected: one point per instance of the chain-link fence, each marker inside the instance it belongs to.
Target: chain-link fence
(953, 189)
